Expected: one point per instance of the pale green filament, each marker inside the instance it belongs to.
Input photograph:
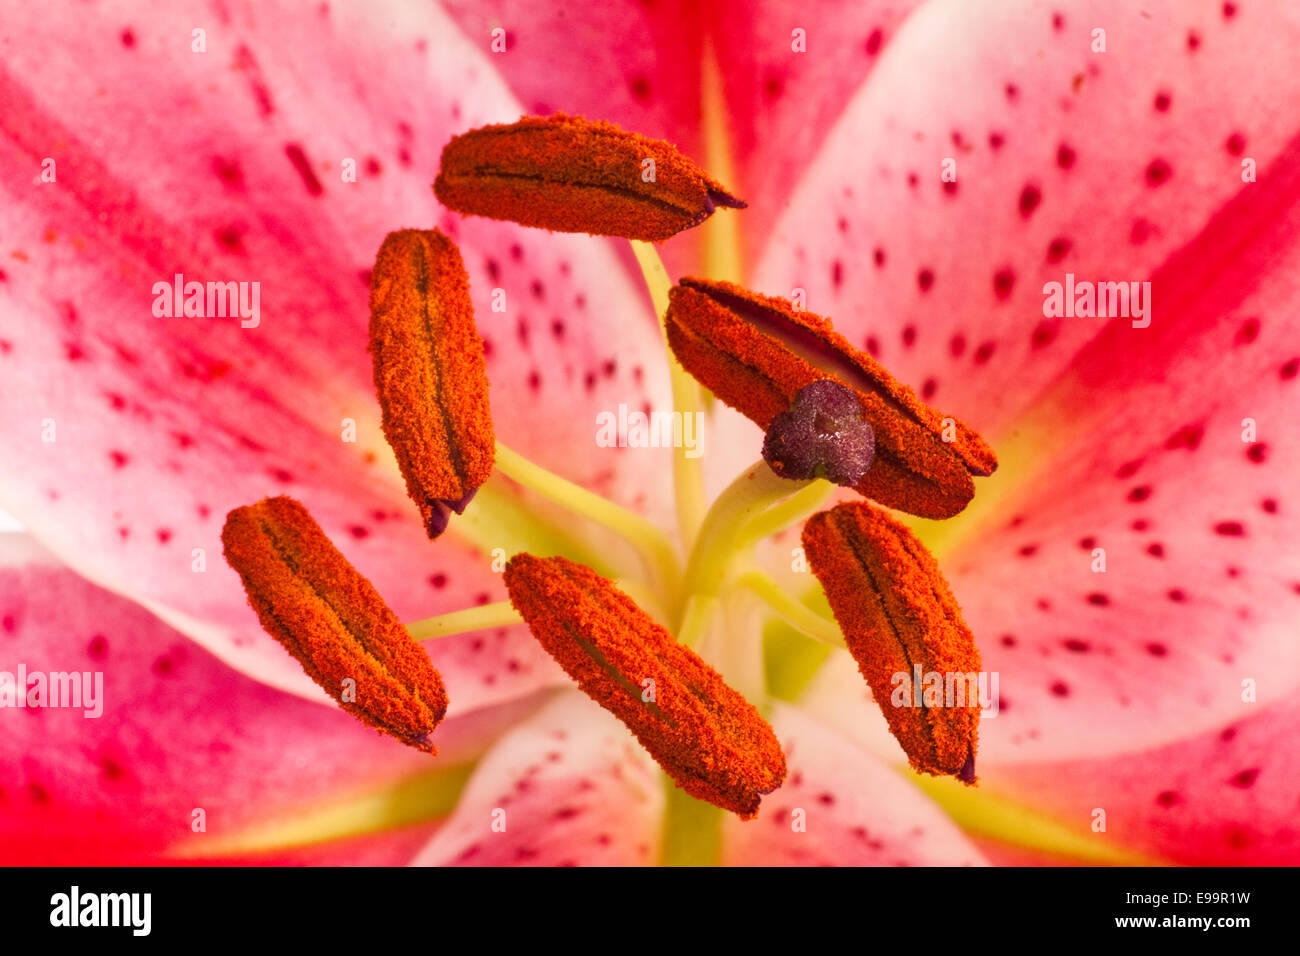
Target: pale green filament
(756, 490)
(655, 547)
(795, 613)
(794, 509)
(688, 476)
(499, 614)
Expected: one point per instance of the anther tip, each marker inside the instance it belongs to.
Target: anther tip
(967, 773)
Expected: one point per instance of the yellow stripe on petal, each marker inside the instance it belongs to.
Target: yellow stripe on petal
(985, 814)
(417, 799)
(722, 254)
(1020, 456)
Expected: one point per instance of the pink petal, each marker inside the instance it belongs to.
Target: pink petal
(856, 811)
(1124, 438)
(178, 731)
(225, 165)
(634, 64)
(1224, 797)
(571, 786)
(1202, 581)
(782, 104)
(1065, 162)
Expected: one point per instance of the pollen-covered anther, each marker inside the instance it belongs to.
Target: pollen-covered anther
(756, 352)
(821, 435)
(569, 174)
(430, 373)
(899, 617)
(704, 734)
(333, 621)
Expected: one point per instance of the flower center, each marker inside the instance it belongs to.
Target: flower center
(670, 649)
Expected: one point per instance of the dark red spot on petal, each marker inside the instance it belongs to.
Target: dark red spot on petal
(1058, 248)
(1065, 155)
(1247, 332)
(1246, 778)
(1004, 280)
(1163, 101)
(229, 238)
(1158, 172)
(302, 166)
(1257, 452)
(925, 280)
(1139, 493)
(1188, 437)
(1230, 529)
(1030, 197)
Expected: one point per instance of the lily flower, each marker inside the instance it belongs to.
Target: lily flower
(1123, 571)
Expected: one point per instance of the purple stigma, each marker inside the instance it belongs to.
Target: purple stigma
(822, 435)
